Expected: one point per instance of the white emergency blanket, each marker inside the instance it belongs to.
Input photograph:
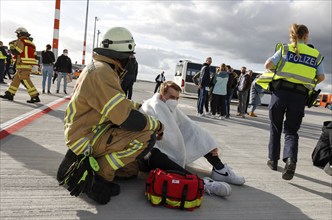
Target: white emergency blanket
(183, 141)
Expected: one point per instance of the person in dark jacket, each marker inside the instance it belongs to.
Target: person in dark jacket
(231, 84)
(130, 77)
(8, 65)
(63, 67)
(3, 56)
(204, 84)
(243, 87)
(159, 80)
(48, 60)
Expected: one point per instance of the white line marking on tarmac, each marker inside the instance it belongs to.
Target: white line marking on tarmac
(22, 117)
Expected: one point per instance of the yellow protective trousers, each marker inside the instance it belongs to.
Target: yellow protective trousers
(23, 76)
(116, 151)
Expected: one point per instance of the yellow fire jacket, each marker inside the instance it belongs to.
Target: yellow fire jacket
(98, 102)
(24, 53)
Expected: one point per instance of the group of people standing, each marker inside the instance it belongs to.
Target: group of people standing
(218, 89)
(291, 80)
(58, 70)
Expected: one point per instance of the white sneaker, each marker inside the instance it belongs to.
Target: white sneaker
(227, 175)
(216, 188)
(201, 115)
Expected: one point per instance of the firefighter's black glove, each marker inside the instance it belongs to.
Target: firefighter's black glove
(81, 175)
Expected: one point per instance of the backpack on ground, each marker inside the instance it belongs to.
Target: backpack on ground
(174, 189)
(322, 153)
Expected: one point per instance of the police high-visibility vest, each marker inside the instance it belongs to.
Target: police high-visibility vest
(27, 55)
(293, 68)
(2, 57)
(299, 69)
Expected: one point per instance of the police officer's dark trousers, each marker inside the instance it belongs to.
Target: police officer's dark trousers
(289, 104)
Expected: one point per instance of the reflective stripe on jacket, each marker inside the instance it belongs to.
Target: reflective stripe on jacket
(98, 102)
(2, 56)
(265, 79)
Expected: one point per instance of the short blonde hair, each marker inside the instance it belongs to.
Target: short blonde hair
(169, 84)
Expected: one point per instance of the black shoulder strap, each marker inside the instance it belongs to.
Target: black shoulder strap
(184, 196)
(164, 192)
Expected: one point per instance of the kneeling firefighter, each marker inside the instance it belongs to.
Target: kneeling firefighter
(104, 131)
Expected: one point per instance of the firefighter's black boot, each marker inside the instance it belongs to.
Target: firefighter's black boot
(34, 100)
(69, 159)
(103, 190)
(8, 96)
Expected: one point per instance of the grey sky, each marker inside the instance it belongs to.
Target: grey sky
(239, 33)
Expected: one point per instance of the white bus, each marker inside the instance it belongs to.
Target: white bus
(184, 72)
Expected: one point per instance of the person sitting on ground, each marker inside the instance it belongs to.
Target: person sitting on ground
(183, 140)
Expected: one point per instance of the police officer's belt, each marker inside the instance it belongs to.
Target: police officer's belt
(292, 87)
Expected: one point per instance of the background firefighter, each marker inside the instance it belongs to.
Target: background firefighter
(24, 52)
(100, 115)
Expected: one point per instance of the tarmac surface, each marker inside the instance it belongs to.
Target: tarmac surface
(32, 147)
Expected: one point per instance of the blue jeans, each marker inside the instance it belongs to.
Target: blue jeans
(47, 73)
(60, 76)
(201, 100)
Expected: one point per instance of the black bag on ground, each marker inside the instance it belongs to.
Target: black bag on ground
(322, 153)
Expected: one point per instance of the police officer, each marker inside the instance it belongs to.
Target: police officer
(100, 122)
(298, 68)
(24, 52)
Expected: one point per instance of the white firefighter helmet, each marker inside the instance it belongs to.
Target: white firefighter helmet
(118, 39)
(21, 30)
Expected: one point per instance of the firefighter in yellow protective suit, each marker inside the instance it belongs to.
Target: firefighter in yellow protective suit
(24, 52)
(104, 131)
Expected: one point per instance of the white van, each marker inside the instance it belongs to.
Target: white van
(184, 72)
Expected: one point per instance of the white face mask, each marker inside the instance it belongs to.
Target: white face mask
(66, 54)
(172, 104)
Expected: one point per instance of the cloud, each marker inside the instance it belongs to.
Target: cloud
(235, 32)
